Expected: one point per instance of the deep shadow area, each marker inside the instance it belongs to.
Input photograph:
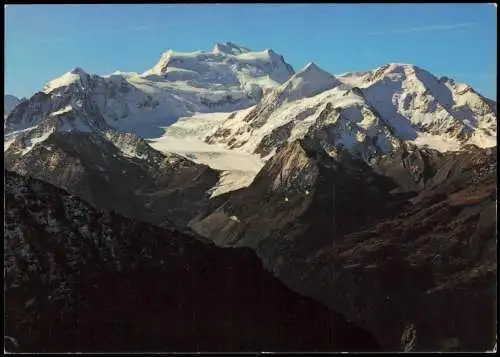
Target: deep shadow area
(82, 280)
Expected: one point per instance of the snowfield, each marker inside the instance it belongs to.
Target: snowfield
(239, 169)
(436, 142)
(186, 138)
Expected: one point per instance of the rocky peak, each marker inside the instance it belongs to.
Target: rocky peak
(230, 48)
(308, 82)
(79, 71)
(77, 78)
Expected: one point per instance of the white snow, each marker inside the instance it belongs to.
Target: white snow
(413, 105)
(9, 103)
(302, 112)
(205, 86)
(197, 126)
(482, 140)
(232, 180)
(121, 73)
(214, 156)
(354, 78)
(74, 123)
(311, 80)
(66, 109)
(126, 143)
(29, 302)
(187, 97)
(65, 80)
(230, 48)
(32, 142)
(12, 339)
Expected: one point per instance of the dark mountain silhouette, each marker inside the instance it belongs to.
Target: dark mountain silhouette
(82, 280)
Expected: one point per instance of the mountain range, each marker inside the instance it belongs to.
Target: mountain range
(93, 281)
(371, 192)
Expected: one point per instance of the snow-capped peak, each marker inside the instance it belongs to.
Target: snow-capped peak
(79, 71)
(180, 84)
(311, 66)
(392, 69)
(75, 75)
(230, 48)
(366, 113)
(228, 65)
(308, 82)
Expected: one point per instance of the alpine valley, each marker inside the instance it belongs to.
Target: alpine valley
(137, 205)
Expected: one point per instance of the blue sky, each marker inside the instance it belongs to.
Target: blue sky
(44, 41)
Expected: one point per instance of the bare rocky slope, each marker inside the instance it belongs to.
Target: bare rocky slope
(81, 280)
(119, 171)
(404, 247)
(85, 133)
